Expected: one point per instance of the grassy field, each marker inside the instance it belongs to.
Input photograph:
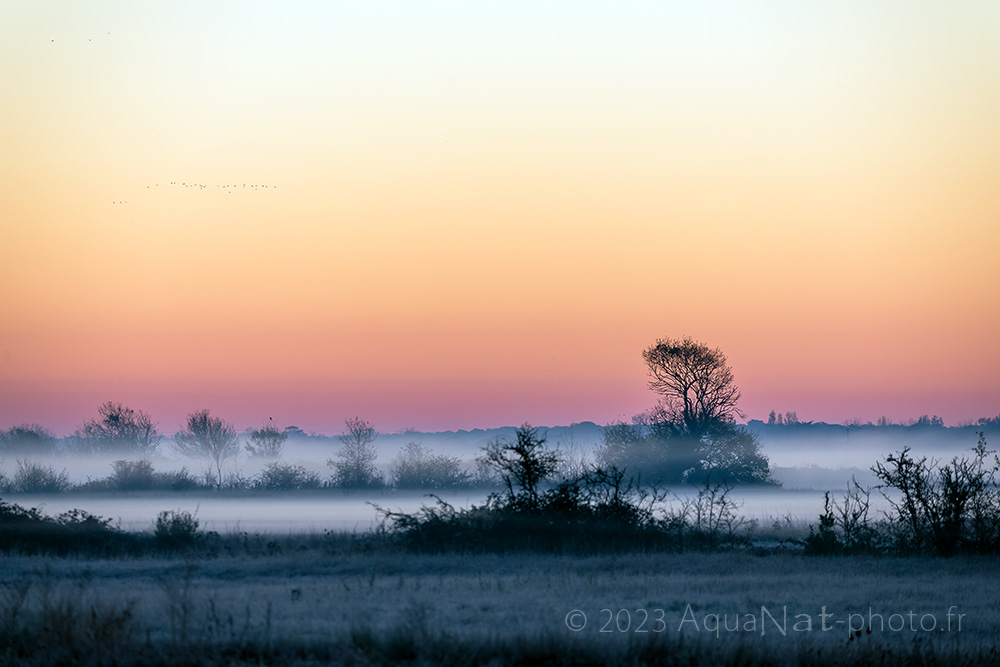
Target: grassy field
(329, 599)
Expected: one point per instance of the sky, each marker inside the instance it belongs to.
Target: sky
(450, 215)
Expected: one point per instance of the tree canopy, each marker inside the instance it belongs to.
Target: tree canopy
(695, 383)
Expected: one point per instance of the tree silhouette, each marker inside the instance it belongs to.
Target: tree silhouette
(208, 437)
(695, 383)
(266, 442)
(522, 464)
(354, 466)
(119, 430)
(691, 434)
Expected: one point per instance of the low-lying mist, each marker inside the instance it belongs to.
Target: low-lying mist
(805, 462)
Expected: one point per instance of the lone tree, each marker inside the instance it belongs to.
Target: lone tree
(692, 432)
(208, 437)
(266, 442)
(695, 384)
(118, 430)
(354, 467)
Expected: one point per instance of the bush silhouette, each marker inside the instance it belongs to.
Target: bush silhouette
(37, 478)
(285, 476)
(176, 530)
(31, 531)
(945, 510)
(417, 467)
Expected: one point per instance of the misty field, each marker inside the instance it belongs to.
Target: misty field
(335, 599)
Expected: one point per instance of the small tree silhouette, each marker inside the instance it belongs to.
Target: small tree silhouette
(208, 437)
(266, 442)
(119, 429)
(524, 463)
(354, 467)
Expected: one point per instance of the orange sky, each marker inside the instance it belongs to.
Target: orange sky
(478, 217)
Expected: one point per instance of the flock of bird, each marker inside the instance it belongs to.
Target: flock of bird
(229, 187)
(202, 186)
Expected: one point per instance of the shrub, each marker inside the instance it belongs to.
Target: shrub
(285, 476)
(37, 478)
(483, 474)
(943, 510)
(266, 442)
(140, 476)
(75, 531)
(132, 475)
(708, 520)
(599, 511)
(176, 530)
(27, 439)
(844, 527)
(937, 510)
(522, 465)
(178, 480)
(417, 467)
(823, 541)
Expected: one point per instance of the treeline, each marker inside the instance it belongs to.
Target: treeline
(120, 430)
(415, 468)
(791, 419)
(934, 509)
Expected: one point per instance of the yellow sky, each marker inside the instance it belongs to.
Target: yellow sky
(479, 216)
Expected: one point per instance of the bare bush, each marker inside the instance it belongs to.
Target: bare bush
(845, 526)
(285, 476)
(710, 519)
(417, 467)
(944, 510)
(37, 478)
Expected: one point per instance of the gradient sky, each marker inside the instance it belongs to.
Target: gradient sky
(480, 214)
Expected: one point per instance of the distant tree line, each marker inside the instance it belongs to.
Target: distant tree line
(923, 421)
(688, 437)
